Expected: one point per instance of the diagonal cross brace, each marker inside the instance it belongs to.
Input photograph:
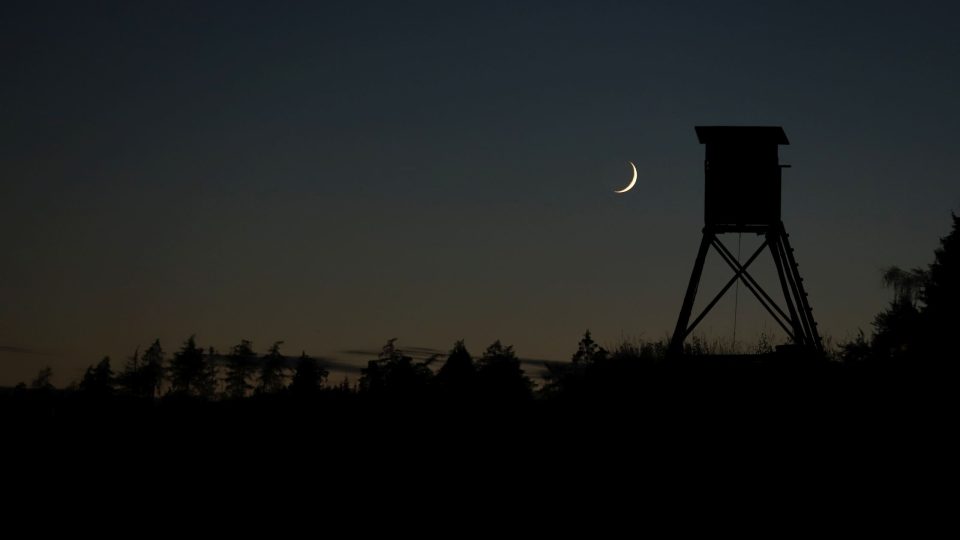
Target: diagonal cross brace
(726, 287)
(753, 286)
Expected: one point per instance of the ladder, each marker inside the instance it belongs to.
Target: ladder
(797, 321)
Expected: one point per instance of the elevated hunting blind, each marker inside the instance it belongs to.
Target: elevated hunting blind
(742, 194)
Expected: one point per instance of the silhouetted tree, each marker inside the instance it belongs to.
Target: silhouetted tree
(152, 370)
(895, 331)
(143, 375)
(940, 318)
(586, 362)
(907, 285)
(458, 375)
(896, 328)
(43, 380)
(918, 325)
(191, 373)
(588, 351)
(500, 376)
(308, 377)
(272, 370)
(99, 380)
(128, 378)
(394, 374)
(240, 367)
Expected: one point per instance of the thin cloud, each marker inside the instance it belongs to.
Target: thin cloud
(290, 362)
(542, 361)
(417, 353)
(360, 352)
(339, 366)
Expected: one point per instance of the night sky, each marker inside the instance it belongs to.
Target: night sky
(334, 174)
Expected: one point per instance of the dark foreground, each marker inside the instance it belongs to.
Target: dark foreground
(710, 402)
(692, 446)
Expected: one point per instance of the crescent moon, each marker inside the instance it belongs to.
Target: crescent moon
(632, 182)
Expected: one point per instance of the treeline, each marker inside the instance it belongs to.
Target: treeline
(197, 373)
(913, 336)
(494, 377)
(918, 330)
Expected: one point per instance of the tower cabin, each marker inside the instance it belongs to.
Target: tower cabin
(742, 169)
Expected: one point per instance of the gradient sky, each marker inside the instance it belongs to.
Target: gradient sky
(334, 174)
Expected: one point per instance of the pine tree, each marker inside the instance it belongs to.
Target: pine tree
(395, 374)
(191, 372)
(152, 370)
(43, 380)
(458, 374)
(272, 370)
(240, 367)
(940, 315)
(308, 377)
(500, 376)
(588, 351)
(98, 380)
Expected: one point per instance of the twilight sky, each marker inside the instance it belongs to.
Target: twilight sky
(334, 174)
